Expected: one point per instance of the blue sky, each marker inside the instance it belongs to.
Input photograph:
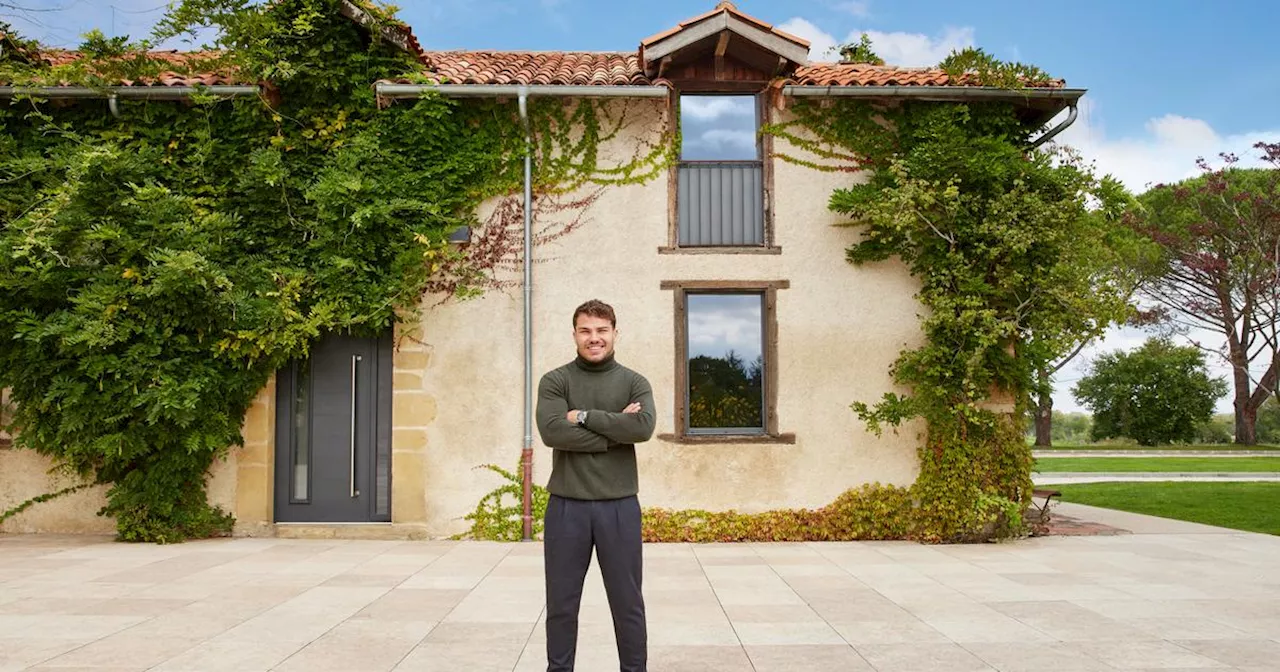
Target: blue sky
(1168, 80)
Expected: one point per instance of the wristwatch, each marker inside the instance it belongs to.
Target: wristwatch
(582, 418)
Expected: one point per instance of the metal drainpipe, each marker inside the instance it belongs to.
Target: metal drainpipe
(1071, 118)
(523, 93)
(526, 454)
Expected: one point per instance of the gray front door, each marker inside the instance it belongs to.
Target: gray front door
(333, 433)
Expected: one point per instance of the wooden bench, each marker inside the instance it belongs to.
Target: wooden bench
(1047, 496)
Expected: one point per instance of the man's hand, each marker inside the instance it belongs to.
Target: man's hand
(633, 407)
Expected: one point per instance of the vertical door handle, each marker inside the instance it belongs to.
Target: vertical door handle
(354, 359)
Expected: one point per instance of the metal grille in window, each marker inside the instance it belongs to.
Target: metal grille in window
(721, 203)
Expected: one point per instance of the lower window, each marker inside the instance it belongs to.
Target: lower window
(726, 361)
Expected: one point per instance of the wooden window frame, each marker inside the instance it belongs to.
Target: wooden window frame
(769, 289)
(765, 149)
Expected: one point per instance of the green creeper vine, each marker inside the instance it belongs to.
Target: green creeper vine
(39, 499)
(994, 232)
(492, 519)
(989, 228)
(157, 268)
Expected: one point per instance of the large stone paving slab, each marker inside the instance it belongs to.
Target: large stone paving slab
(1200, 598)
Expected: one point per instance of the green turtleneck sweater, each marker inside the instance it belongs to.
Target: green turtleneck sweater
(598, 460)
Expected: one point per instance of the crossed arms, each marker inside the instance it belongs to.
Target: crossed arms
(602, 429)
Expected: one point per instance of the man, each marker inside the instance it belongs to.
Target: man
(593, 411)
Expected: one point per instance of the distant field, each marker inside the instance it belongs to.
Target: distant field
(1239, 506)
(1207, 446)
(1132, 464)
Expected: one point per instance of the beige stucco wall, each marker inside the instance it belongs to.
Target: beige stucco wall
(239, 482)
(840, 328)
(25, 474)
(458, 404)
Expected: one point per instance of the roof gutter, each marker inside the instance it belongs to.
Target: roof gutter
(114, 93)
(498, 90)
(953, 93)
(934, 92)
(126, 92)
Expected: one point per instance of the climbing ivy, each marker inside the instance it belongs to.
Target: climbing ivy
(156, 268)
(990, 228)
(995, 231)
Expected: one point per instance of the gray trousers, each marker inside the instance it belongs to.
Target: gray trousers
(612, 527)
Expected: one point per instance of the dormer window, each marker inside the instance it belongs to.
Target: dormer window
(720, 64)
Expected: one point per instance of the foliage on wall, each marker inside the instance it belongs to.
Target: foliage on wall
(994, 231)
(1004, 240)
(156, 268)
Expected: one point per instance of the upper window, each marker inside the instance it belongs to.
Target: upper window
(718, 128)
(720, 192)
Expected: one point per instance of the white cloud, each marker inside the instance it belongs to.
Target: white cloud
(721, 138)
(710, 108)
(858, 8)
(914, 49)
(896, 48)
(821, 43)
(718, 324)
(1166, 152)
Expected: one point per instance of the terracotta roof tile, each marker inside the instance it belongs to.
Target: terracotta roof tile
(184, 71)
(862, 74)
(622, 69)
(532, 67)
(549, 68)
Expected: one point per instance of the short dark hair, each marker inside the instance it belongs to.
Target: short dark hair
(596, 308)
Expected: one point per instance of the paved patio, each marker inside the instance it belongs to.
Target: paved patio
(1167, 596)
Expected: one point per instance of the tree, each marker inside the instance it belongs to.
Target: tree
(725, 391)
(860, 52)
(1219, 269)
(1269, 422)
(1159, 393)
(1217, 430)
(1072, 427)
(1093, 284)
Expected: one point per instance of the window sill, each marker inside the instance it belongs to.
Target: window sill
(722, 249)
(774, 439)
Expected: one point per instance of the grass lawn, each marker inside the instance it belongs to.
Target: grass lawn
(1128, 464)
(1239, 506)
(1134, 447)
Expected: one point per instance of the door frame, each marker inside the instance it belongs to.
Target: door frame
(378, 435)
